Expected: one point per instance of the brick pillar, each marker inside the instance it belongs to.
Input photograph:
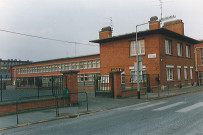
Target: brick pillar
(70, 81)
(116, 76)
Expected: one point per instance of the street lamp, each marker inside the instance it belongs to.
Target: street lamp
(138, 70)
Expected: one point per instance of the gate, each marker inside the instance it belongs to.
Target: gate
(104, 85)
(57, 85)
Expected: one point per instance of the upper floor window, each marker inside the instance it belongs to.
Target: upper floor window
(168, 44)
(187, 51)
(141, 47)
(180, 49)
(201, 55)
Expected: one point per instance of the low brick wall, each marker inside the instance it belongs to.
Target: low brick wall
(10, 107)
(132, 92)
(91, 88)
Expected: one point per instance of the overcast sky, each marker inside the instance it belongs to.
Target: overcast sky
(81, 21)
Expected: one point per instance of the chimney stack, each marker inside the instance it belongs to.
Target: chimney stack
(105, 32)
(154, 23)
(176, 26)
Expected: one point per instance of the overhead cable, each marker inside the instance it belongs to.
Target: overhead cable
(45, 38)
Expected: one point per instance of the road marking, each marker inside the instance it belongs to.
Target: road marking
(147, 106)
(168, 106)
(192, 107)
(131, 106)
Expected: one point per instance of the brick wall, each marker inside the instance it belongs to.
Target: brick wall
(115, 54)
(199, 64)
(175, 60)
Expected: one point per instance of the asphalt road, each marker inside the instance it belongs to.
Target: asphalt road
(180, 115)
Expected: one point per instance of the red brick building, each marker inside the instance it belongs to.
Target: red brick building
(199, 62)
(167, 53)
(89, 66)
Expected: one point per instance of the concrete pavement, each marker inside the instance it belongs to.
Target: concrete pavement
(95, 104)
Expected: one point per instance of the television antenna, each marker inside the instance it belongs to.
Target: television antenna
(161, 7)
(110, 22)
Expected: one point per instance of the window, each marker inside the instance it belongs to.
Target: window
(94, 64)
(187, 51)
(191, 69)
(185, 72)
(89, 64)
(73, 66)
(180, 49)
(133, 75)
(77, 65)
(122, 77)
(90, 77)
(98, 63)
(169, 72)
(62, 67)
(141, 47)
(168, 44)
(201, 55)
(85, 65)
(105, 79)
(179, 72)
(81, 65)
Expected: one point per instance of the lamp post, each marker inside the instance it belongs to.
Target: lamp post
(138, 70)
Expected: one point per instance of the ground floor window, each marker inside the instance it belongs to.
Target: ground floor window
(86, 79)
(191, 70)
(185, 72)
(179, 72)
(169, 72)
(133, 75)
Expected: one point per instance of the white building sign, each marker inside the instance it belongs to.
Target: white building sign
(152, 55)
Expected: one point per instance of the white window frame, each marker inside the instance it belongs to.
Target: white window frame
(105, 79)
(141, 47)
(133, 75)
(168, 46)
(191, 74)
(169, 72)
(180, 49)
(85, 65)
(185, 72)
(188, 50)
(179, 72)
(98, 63)
(201, 55)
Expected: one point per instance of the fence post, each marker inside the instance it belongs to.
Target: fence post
(72, 84)
(52, 85)
(1, 89)
(57, 111)
(37, 86)
(17, 112)
(87, 100)
(116, 80)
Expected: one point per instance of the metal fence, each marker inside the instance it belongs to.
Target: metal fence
(129, 82)
(58, 106)
(104, 85)
(12, 89)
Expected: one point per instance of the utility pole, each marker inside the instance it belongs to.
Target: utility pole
(138, 65)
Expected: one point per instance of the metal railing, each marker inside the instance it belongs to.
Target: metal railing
(56, 106)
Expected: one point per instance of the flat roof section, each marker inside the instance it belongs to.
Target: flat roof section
(149, 32)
